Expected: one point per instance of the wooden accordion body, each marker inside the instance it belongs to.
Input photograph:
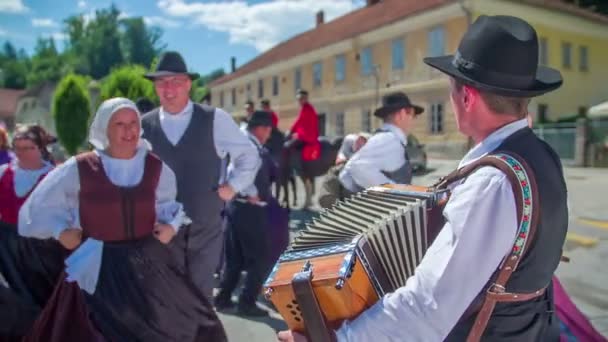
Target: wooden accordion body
(356, 252)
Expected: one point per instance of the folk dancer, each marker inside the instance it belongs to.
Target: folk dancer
(195, 141)
(115, 208)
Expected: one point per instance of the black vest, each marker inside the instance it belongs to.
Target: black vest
(266, 173)
(532, 320)
(195, 162)
(402, 175)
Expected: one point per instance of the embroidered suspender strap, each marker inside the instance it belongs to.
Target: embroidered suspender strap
(525, 190)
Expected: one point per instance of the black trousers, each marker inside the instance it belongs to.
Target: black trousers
(247, 249)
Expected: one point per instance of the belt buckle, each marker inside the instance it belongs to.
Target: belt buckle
(496, 289)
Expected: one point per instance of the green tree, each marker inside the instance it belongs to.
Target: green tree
(140, 44)
(71, 111)
(128, 81)
(46, 64)
(13, 67)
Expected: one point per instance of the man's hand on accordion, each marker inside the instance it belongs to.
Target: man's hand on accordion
(289, 336)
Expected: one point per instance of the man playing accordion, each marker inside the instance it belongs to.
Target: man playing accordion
(460, 290)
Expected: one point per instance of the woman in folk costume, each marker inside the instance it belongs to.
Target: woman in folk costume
(6, 155)
(29, 267)
(115, 207)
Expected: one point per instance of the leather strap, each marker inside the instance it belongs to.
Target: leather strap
(523, 184)
(314, 320)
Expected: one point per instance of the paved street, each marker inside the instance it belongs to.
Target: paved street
(584, 278)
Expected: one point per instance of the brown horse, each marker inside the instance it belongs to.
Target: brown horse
(306, 170)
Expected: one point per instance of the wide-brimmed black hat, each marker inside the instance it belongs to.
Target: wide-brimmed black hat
(260, 118)
(171, 63)
(394, 102)
(499, 54)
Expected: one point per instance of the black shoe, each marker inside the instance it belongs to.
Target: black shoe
(222, 303)
(251, 311)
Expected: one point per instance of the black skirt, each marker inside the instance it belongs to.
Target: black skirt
(31, 268)
(143, 295)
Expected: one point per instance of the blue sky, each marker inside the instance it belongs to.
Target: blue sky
(207, 33)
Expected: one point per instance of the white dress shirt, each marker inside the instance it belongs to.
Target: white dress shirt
(24, 179)
(383, 152)
(480, 229)
(228, 140)
(53, 206)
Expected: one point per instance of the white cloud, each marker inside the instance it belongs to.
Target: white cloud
(82, 4)
(160, 21)
(13, 6)
(3, 32)
(43, 22)
(260, 25)
(57, 36)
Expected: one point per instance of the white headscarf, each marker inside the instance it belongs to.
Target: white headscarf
(348, 146)
(98, 133)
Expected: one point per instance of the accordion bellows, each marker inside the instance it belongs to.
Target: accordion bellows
(357, 251)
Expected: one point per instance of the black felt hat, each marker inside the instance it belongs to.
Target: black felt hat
(499, 54)
(394, 102)
(260, 118)
(171, 63)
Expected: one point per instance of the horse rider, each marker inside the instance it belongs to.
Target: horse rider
(383, 159)
(304, 133)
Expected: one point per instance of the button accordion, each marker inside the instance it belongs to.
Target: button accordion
(354, 253)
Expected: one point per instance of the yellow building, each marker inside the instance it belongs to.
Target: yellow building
(349, 63)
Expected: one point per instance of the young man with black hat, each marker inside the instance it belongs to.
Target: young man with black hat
(247, 240)
(265, 104)
(249, 109)
(194, 140)
(486, 276)
(384, 158)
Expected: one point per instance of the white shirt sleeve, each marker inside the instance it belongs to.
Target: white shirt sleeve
(480, 230)
(383, 152)
(168, 210)
(53, 205)
(244, 158)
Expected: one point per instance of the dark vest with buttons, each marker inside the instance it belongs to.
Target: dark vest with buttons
(402, 175)
(533, 320)
(195, 162)
(265, 175)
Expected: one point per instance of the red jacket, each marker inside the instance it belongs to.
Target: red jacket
(307, 128)
(275, 119)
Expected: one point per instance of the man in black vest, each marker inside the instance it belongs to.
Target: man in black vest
(383, 159)
(493, 75)
(247, 240)
(195, 140)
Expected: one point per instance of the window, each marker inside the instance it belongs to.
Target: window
(583, 58)
(248, 90)
(340, 124)
(366, 121)
(233, 96)
(542, 112)
(436, 118)
(321, 118)
(24, 107)
(297, 79)
(340, 68)
(317, 74)
(566, 55)
(222, 98)
(275, 85)
(436, 38)
(261, 88)
(398, 54)
(543, 51)
(367, 61)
